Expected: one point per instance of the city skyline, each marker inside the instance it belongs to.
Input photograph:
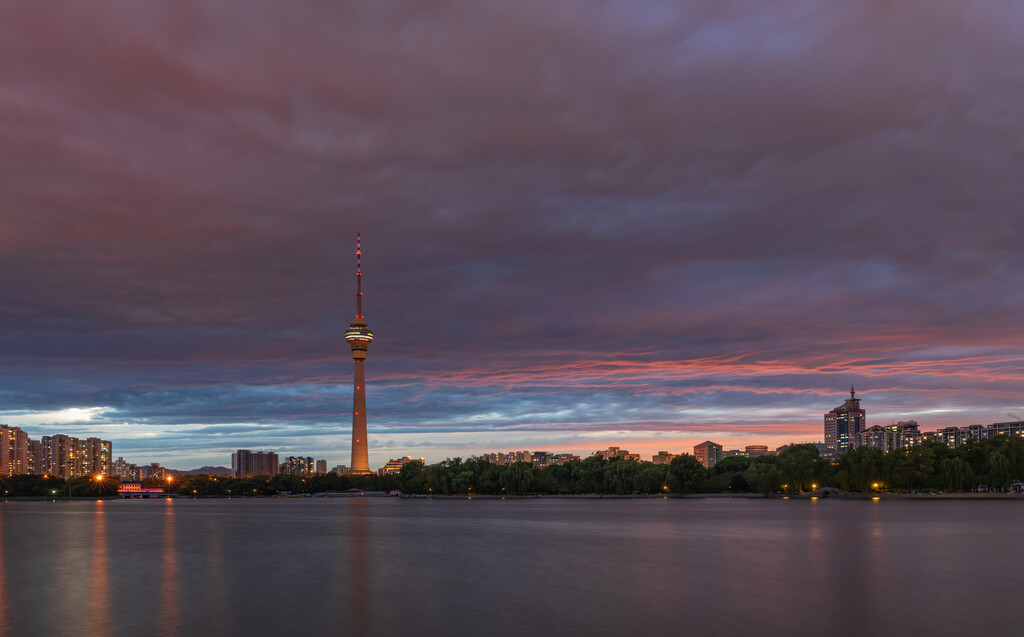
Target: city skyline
(649, 227)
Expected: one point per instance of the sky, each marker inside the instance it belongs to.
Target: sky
(584, 224)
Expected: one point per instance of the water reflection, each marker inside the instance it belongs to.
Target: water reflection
(360, 571)
(216, 597)
(170, 619)
(99, 591)
(4, 627)
(383, 566)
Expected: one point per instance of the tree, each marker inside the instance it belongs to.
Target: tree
(685, 474)
(517, 478)
(411, 478)
(860, 469)
(955, 474)
(999, 471)
(797, 465)
(732, 464)
(763, 477)
(651, 478)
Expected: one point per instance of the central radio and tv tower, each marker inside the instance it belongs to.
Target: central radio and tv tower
(359, 337)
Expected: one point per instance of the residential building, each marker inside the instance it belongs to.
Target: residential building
(35, 456)
(908, 433)
(127, 472)
(245, 463)
(64, 456)
(885, 439)
(616, 452)
(663, 457)
(298, 466)
(508, 458)
(842, 425)
(98, 457)
(321, 466)
(391, 467)
(541, 459)
(708, 453)
(14, 451)
(153, 470)
(562, 458)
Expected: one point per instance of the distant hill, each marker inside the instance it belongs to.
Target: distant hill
(211, 471)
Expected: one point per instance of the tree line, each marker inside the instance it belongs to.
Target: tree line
(993, 465)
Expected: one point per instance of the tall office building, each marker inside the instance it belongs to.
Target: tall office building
(14, 451)
(708, 453)
(842, 425)
(359, 338)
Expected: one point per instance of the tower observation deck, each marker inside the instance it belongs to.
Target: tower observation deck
(359, 337)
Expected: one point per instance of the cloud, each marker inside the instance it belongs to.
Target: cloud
(575, 217)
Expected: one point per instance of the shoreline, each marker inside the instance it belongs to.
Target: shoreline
(811, 495)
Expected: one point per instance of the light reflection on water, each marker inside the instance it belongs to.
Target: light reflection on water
(100, 600)
(170, 613)
(4, 624)
(605, 567)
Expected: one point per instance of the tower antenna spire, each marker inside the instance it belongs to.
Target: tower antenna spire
(359, 276)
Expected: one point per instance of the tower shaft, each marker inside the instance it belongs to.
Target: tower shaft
(360, 450)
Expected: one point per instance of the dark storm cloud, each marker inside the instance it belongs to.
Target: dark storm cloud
(577, 216)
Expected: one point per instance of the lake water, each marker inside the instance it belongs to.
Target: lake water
(386, 566)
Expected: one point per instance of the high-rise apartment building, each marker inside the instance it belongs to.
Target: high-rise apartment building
(321, 466)
(842, 425)
(895, 436)
(153, 470)
(68, 457)
(298, 466)
(246, 463)
(64, 456)
(14, 451)
(126, 471)
(98, 457)
(35, 456)
(707, 453)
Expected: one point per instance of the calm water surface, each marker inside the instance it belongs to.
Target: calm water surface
(386, 566)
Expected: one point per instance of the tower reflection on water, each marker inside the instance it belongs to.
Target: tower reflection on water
(360, 606)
